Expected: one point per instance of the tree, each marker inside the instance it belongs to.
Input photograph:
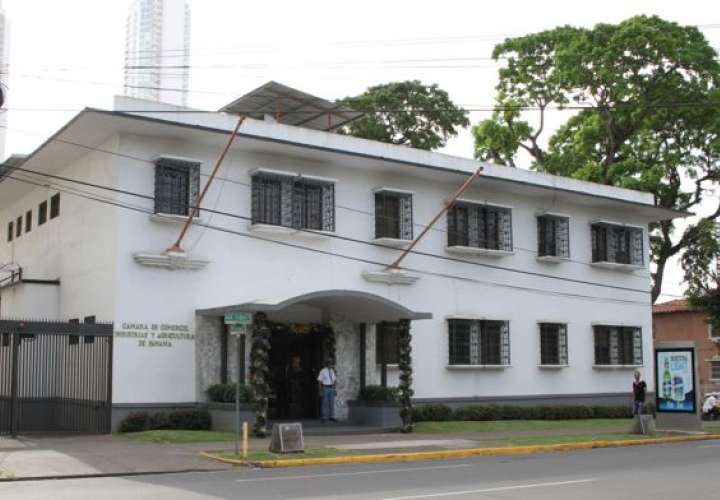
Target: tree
(406, 113)
(701, 262)
(646, 101)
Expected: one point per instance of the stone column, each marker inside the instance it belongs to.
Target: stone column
(208, 336)
(259, 358)
(347, 364)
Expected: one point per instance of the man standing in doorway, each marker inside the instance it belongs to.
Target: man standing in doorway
(639, 390)
(326, 386)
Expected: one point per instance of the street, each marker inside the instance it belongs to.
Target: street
(687, 470)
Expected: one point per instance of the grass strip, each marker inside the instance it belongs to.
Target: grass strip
(520, 425)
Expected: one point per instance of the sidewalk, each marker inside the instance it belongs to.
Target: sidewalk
(45, 457)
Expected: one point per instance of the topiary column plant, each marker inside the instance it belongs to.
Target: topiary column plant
(405, 365)
(259, 371)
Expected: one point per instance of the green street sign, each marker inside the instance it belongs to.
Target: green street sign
(238, 329)
(238, 318)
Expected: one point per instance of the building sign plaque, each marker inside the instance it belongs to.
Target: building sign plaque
(287, 438)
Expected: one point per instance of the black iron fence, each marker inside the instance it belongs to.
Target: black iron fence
(55, 376)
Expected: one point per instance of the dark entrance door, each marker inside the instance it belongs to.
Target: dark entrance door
(55, 376)
(295, 360)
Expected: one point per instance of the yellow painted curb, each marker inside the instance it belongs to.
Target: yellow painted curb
(465, 453)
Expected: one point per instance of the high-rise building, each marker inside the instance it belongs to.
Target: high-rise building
(4, 72)
(157, 50)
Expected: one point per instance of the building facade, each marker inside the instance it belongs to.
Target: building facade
(532, 289)
(157, 51)
(676, 320)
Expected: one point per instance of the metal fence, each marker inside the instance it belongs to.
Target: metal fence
(55, 376)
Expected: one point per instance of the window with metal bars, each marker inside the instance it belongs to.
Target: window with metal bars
(479, 342)
(28, 221)
(715, 370)
(618, 345)
(479, 226)
(553, 236)
(177, 186)
(553, 344)
(18, 227)
(10, 231)
(290, 202)
(393, 215)
(617, 244)
(387, 343)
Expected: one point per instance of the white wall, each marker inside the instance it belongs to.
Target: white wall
(243, 269)
(77, 247)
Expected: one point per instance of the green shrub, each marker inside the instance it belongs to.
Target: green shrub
(135, 422)
(225, 393)
(432, 413)
(190, 420)
(185, 420)
(479, 413)
(378, 393)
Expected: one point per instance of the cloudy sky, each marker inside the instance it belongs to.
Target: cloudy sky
(68, 54)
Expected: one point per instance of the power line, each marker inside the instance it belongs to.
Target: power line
(350, 257)
(350, 239)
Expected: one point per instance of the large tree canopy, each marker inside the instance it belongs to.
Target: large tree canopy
(652, 117)
(406, 113)
(701, 261)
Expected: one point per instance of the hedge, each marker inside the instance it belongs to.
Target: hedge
(225, 393)
(378, 393)
(442, 413)
(186, 420)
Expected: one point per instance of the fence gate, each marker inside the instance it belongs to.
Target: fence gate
(55, 376)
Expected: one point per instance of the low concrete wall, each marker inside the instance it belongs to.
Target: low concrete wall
(223, 415)
(375, 414)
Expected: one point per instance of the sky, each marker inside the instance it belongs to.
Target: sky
(66, 55)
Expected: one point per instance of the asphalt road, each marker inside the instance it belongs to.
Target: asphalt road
(675, 471)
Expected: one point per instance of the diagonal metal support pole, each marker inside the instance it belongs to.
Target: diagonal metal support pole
(448, 203)
(177, 247)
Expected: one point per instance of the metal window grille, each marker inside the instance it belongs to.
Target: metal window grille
(553, 236)
(479, 342)
(553, 344)
(390, 344)
(480, 226)
(55, 205)
(283, 201)
(459, 341)
(42, 213)
(619, 244)
(177, 186)
(618, 345)
(715, 370)
(393, 215)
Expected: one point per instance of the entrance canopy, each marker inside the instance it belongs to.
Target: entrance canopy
(361, 307)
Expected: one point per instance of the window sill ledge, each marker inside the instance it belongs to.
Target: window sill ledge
(463, 250)
(477, 367)
(174, 218)
(552, 259)
(392, 242)
(616, 266)
(616, 367)
(391, 277)
(393, 366)
(171, 261)
(553, 367)
(290, 231)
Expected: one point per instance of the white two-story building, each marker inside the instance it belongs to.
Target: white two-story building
(531, 289)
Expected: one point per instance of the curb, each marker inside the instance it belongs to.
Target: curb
(443, 454)
(99, 475)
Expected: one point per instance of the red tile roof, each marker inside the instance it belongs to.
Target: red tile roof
(673, 306)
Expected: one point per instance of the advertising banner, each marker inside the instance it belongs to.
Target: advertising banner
(675, 381)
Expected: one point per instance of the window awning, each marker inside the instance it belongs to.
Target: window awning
(361, 307)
